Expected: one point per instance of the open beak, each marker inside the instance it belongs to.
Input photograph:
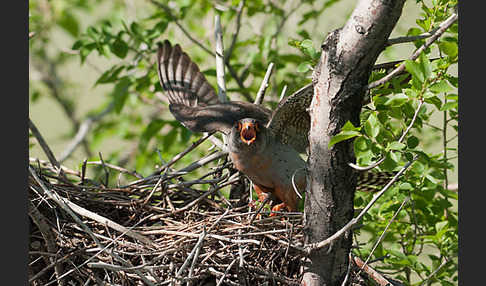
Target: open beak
(248, 132)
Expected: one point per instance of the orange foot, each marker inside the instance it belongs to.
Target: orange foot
(277, 208)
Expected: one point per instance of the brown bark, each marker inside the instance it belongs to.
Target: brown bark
(340, 81)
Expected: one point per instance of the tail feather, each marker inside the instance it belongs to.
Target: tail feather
(373, 181)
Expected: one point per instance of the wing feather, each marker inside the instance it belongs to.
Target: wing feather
(193, 101)
(290, 121)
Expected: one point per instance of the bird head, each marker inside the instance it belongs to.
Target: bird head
(248, 133)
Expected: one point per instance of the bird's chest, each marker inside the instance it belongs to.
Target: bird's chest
(258, 167)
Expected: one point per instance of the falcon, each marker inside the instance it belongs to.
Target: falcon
(264, 145)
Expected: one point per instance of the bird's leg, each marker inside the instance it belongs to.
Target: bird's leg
(264, 196)
(261, 192)
(267, 198)
(278, 208)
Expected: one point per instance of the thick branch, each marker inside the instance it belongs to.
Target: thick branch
(340, 80)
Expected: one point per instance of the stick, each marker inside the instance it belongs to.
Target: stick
(264, 85)
(190, 256)
(82, 132)
(226, 272)
(218, 35)
(182, 154)
(114, 167)
(45, 147)
(215, 236)
(318, 245)
(384, 231)
(371, 272)
(407, 39)
(442, 28)
(282, 94)
(72, 208)
(374, 165)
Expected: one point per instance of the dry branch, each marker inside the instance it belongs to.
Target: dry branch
(350, 224)
(173, 234)
(436, 34)
(264, 85)
(268, 249)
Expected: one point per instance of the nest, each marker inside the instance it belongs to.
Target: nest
(158, 230)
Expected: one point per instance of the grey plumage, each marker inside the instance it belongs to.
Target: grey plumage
(271, 157)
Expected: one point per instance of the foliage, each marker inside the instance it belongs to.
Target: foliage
(423, 235)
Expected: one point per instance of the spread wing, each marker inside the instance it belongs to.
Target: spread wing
(181, 79)
(217, 117)
(291, 121)
(192, 100)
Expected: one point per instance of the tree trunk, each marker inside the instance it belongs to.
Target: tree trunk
(340, 80)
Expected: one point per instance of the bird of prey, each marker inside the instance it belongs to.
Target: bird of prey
(265, 145)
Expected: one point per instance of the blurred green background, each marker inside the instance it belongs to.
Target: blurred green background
(63, 90)
(56, 127)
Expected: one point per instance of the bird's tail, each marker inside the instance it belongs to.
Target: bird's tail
(373, 181)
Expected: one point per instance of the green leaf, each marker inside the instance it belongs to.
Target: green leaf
(452, 96)
(396, 100)
(448, 105)
(371, 126)
(293, 43)
(395, 146)
(425, 66)
(415, 70)
(78, 44)
(110, 75)
(449, 48)
(162, 26)
(169, 139)
(440, 86)
(395, 156)
(308, 48)
(435, 101)
(406, 186)
(119, 48)
(69, 23)
(152, 128)
(441, 225)
(348, 126)
(85, 50)
(303, 67)
(343, 135)
(412, 142)
(185, 135)
(389, 164)
(361, 144)
(136, 29)
(120, 93)
(93, 33)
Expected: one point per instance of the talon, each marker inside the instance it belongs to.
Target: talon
(277, 208)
